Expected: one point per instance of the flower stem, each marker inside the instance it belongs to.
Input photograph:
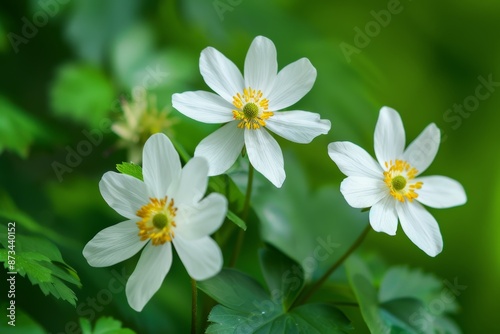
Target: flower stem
(244, 216)
(327, 274)
(194, 306)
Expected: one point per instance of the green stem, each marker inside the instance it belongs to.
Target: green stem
(194, 306)
(244, 216)
(327, 274)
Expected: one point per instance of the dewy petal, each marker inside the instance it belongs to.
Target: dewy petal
(193, 182)
(383, 216)
(113, 244)
(422, 151)
(265, 155)
(363, 192)
(160, 164)
(389, 138)
(261, 66)
(221, 148)
(352, 160)
(203, 218)
(203, 107)
(153, 266)
(420, 227)
(298, 126)
(202, 257)
(292, 83)
(220, 74)
(440, 192)
(124, 193)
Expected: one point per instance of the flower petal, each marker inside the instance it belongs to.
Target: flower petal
(160, 164)
(440, 192)
(221, 148)
(220, 74)
(292, 83)
(383, 216)
(113, 244)
(298, 126)
(203, 218)
(153, 266)
(363, 192)
(389, 138)
(265, 155)
(420, 227)
(124, 193)
(422, 151)
(193, 182)
(352, 160)
(202, 257)
(261, 66)
(203, 107)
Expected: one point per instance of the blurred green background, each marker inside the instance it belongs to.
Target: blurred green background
(65, 72)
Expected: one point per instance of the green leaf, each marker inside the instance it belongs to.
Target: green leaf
(41, 262)
(237, 220)
(82, 93)
(24, 323)
(104, 325)
(247, 308)
(131, 169)
(18, 130)
(284, 276)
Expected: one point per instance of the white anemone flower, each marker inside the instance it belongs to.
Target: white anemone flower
(249, 105)
(392, 186)
(167, 208)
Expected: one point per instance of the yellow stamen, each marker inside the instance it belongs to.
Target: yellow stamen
(398, 178)
(157, 221)
(252, 109)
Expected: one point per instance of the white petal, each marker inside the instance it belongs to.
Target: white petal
(363, 192)
(124, 193)
(389, 138)
(298, 126)
(113, 244)
(202, 257)
(420, 227)
(440, 192)
(203, 218)
(292, 83)
(261, 66)
(422, 151)
(203, 106)
(352, 160)
(160, 164)
(153, 266)
(220, 74)
(193, 182)
(221, 148)
(383, 216)
(265, 155)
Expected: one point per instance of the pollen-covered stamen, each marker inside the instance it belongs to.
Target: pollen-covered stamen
(398, 178)
(157, 221)
(252, 109)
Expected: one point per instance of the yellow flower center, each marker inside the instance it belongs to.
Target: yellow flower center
(398, 178)
(251, 109)
(157, 221)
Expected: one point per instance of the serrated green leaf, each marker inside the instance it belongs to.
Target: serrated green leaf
(104, 325)
(131, 169)
(284, 276)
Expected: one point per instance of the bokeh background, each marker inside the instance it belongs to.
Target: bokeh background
(68, 76)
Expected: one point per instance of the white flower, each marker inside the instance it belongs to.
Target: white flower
(249, 105)
(392, 187)
(167, 208)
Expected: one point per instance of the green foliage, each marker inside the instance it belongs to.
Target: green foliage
(42, 263)
(247, 307)
(24, 323)
(131, 169)
(82, 93)
(104, 325)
